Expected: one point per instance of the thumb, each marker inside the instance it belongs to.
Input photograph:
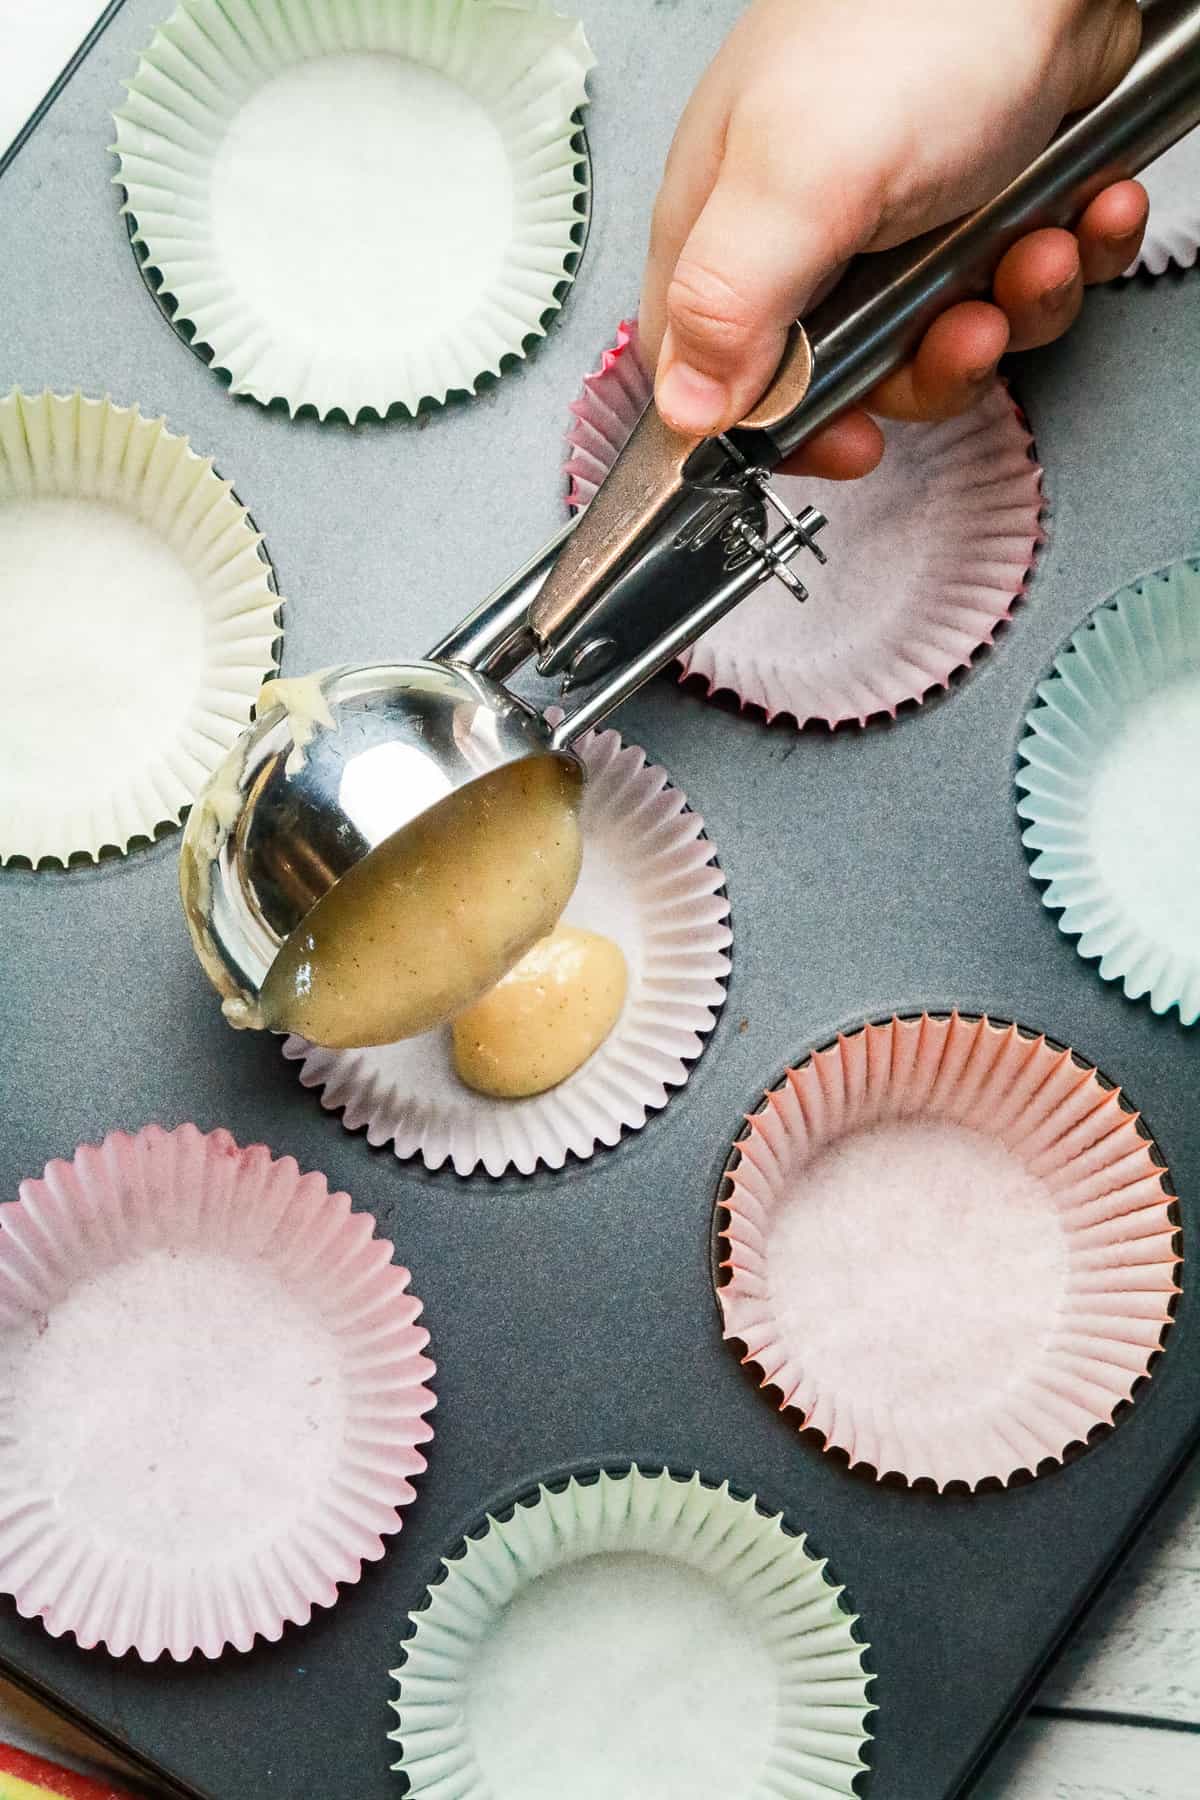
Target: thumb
(1107, 44)
(746, 271)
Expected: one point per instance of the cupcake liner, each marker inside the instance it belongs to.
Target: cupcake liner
(641, 1635)
(138, 619)
(650, 882)
(1109, 780)
(950, 1249)
(360, 205)
(1173, 231)
(212, 1390)
(926, 557)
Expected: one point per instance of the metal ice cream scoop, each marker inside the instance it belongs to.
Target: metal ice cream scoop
(680, 531)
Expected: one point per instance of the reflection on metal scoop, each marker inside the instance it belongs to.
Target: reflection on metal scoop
(283, 820)
(676, 536)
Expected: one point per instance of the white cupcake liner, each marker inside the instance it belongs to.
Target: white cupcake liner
(1110, 782)
(650, 882)
(950, 1249)
(212, 1390)
(926, 558)
(1173, 230)
(138, 619)
(360, 205)
(641, 1635)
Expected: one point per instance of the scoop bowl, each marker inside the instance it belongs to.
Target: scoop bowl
(337, 763)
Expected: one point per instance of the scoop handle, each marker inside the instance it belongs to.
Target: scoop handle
(876, 315)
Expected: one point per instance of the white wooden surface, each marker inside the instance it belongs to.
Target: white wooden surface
(1137, 1658)
(37, 39)
(1138, 1655)
(1139, 1650)
(1077, 1759)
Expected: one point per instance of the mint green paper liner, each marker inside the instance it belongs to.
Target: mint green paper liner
(1110, 786)
(358, 205)
(641, 1635)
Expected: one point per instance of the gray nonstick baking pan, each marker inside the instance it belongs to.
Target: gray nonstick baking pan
(572, 1314)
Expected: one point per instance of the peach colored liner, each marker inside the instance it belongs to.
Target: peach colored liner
(949, 1249)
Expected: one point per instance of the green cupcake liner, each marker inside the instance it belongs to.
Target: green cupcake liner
(1110, 785)
(640, 1634)
(360, 205)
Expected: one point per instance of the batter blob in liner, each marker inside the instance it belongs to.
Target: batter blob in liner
(650, 884)
(1112, 790)
(949, 1249)
(926, 557)
(570, 1650)
(545, 1018)
(361, 205)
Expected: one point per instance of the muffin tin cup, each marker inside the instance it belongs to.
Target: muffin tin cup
(143, 618)
(1109, 787)
(357, 206)
(927, 557)
(948, 1249)
(568, 1648)
(651, 883)
(213, 1387)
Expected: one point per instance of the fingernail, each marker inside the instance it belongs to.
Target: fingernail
(981, 378)
(1056, 299)
(691, 401)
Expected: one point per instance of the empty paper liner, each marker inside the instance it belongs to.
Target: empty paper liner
(649, 882)
(926, 557)
(639, 1634)
(949, 1249)
(212, 1390)
(138, 619)
(1173, 230)
(1111, 789)
(358, 205)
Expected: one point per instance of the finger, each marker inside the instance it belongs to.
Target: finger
(954, 363)
(1039, 285)
(743, 276)
(1111, 230)
(848, 447)
(768, 234)
(693, 163)
(1110, 33)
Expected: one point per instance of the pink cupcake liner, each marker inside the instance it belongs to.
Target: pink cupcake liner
(651, 883)
(212, 1390)
(950, 1249)
(926, 557)
(1173, 231)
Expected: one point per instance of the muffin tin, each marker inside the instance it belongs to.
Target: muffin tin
(869, 872)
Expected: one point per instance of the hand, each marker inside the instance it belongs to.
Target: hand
(826, 127)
